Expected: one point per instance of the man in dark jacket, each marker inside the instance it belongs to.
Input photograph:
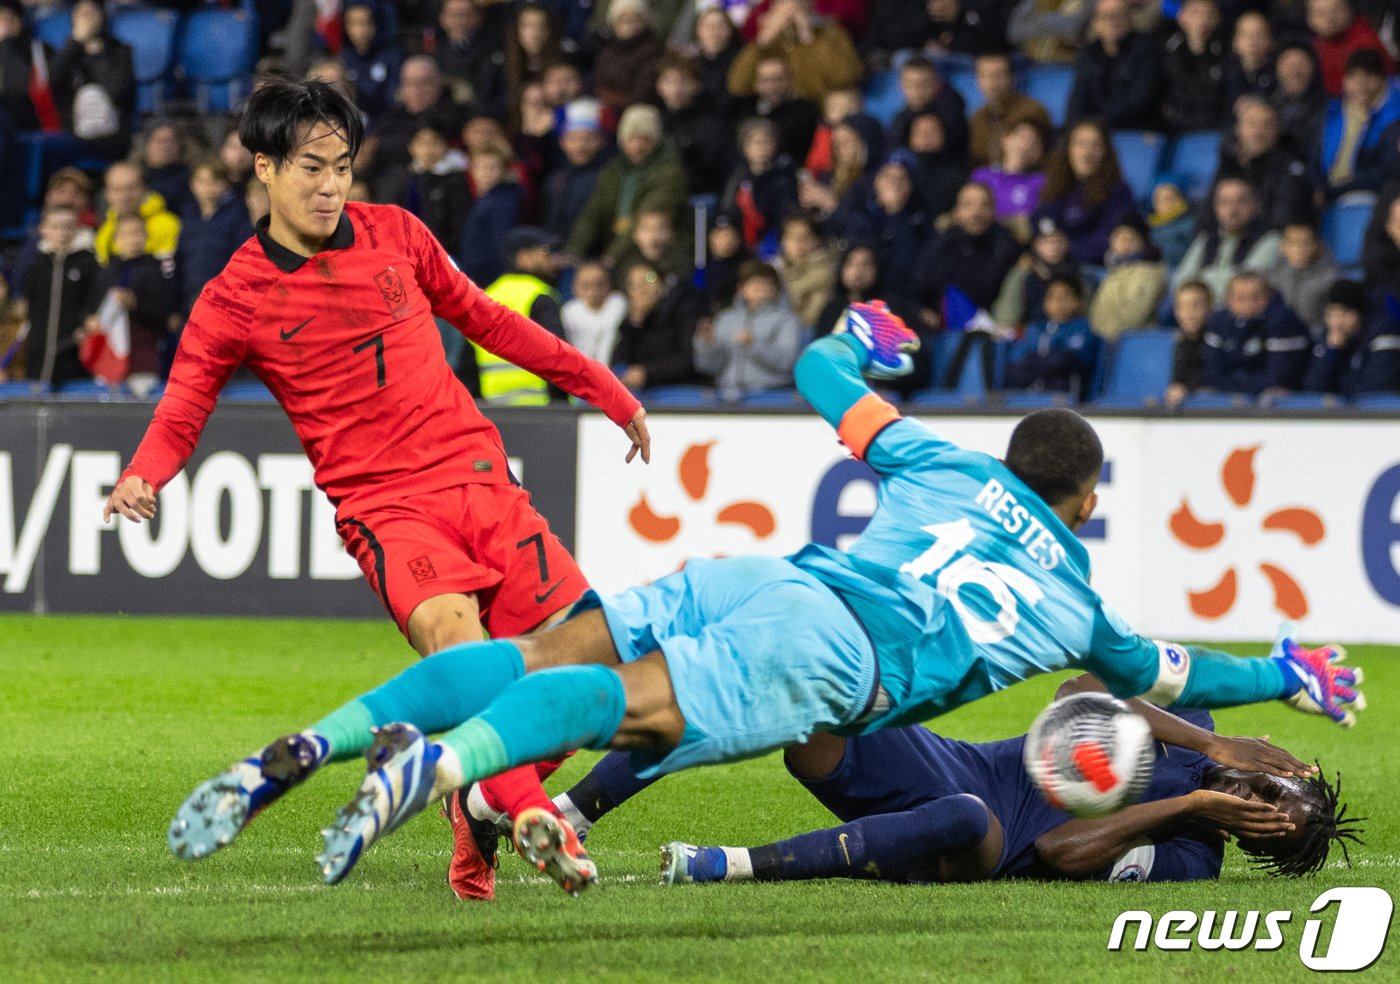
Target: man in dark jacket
(423, 102)
(568, 186)
(654, 341)
(974, 254)
(775, 99)
(469, 43)
(702, 135)
(59, 285)
(212, 227)
(1279, 177)
(1118, 73)
(1255, 343)
(1193, 70)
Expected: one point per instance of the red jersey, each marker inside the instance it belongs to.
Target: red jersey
(346, 342)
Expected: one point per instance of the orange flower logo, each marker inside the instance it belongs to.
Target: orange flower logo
(1237, 478)
(695, 481)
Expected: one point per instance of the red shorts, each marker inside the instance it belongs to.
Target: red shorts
(483, 540)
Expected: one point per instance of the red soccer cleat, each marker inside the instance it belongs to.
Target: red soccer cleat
(550, 844)
(472, 873)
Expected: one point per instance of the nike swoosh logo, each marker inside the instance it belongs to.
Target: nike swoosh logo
(540, 599)
(288, 335)
(841, 839)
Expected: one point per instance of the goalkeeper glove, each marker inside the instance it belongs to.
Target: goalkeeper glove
(884, 336)
(1324, 686)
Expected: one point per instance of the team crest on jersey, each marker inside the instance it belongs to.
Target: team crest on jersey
(422, 569)
(391, 286)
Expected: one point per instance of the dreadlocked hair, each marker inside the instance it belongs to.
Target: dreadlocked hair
(1331, 824)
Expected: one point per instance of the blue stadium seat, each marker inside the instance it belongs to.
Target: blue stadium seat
(218, 49)
(678, 396)
(1194, 158)
(1139, 158)
(1216, 401)
(91, 389)
(937, 398)
(964, 80)
(1305, 401)
(250, 392)
(1379, 402)
(151, 35)
(883, 100)
(1139, 368)
(53, 29)
(22, 389)
(1035, 400)
(1050, 85)
(773, 398)
(1344, 227)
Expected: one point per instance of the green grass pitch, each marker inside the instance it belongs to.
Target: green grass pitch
(108, 723)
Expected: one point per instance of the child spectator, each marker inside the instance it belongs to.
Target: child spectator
(1304, 272)
(655, 341)
(702, 134)
(212, 228)
(1334, 361)
(752, 345)
(1193, 69)
(592, 316)
(59, 288)
(806, 267)
(1021, 298)
(435, 185)
(837, 106)
(937, 173)
(1018, 176)
(494, 213)
(163, 164)
(1084, 190)
(1172, 223)
(1136, 282)
(1254, 345)
(147, 289)
(763, 188)
(1191, 309)
(566, 189)
(1057, 353)
(654, 240)
(855, 150)
(372, 58)
(1351, 131)
(725, 256)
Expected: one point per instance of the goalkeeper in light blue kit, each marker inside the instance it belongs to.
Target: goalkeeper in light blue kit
(968, 579)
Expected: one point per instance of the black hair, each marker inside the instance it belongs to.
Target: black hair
(758, 270)
(1054, 451)
(1366, 60)
(281, 110)
(1327, 822)
(1073, 284)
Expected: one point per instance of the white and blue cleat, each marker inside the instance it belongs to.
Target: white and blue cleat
(218, 810)
(684, 864)
(400, 781)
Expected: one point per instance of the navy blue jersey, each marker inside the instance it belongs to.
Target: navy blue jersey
(898, 769)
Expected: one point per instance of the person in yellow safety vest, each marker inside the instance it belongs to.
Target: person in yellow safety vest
(527, 288)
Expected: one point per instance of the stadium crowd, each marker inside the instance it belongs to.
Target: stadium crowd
(1147, 201)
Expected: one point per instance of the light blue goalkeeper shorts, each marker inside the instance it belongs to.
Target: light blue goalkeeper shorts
(761, 654)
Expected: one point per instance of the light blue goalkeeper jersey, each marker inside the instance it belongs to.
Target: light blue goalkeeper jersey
(965, 579)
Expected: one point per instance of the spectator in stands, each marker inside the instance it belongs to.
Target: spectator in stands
(533, 124)
(965, 27)
(1304, 272)
(147, 289)
(645, 176)
(625, 70)
(856, 150)
(900, 223)
(567, 188)
(775, 100)
(1236, 241)
(258, 202)
(423, 101)
(1352, 150)
(469, 45)
(763, 188)
(1172, 222)
(1338, 33)
(858, 279)
(753, 344)
(1135, 284)
(1056, 354)
(14, 315)
(1253, 345)
(237, 161)
(1380, 250)
(654, 341)
(1335, 357)
(1299, 98)
(938, 172)
(1254, 154)
(562, 81)
(1003, 108)
(1018, 176)
(526, 286)
(16, 67)
(533, 41)
(663, 16)
(70, 188)
(718, 45)
(817, 50)
(701, 133)
(836, 107)
(1049, 31)
(372, 58)
(973, 254)
(1118, 74)
(494, 213)
(1193, 70)
(94, 84)
(126, 194)
(59, 288)
(1191, 305)
(1249, 69)
(1380, 361)
(163, 164)
(892, 26)
(925, 91)
(805, 265)
(434, 186)
(1084, 190)
(654, 240)
(591, 317)
(725, 256)
(212, 227)
(1021, 298)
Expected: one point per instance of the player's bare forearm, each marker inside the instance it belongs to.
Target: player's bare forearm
(1086, 848)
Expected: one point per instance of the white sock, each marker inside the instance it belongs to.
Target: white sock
(581, 824)
(480, 809)
(447, 778)
(738, 866)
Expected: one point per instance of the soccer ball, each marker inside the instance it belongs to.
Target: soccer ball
(1089, 754)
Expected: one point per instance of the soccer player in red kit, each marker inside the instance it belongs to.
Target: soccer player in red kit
(332, 306)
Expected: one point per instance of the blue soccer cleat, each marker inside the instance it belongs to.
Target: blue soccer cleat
(1325, 686)
(400, 781)
(217, 811)
(684, 864)
(885, 337)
